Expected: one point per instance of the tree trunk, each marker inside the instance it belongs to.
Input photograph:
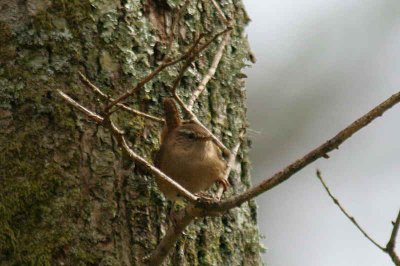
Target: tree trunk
(68, 196)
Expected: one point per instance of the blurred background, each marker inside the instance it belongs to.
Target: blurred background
(320, 65)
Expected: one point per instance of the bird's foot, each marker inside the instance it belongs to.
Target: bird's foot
(204, 195)
(224, 183)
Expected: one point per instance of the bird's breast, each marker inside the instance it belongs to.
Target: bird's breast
(196, 170)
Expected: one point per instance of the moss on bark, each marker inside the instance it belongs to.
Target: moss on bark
(67, 194)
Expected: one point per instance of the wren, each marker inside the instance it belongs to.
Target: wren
(188, 155)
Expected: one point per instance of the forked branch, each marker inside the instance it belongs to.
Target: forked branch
(231, 162)
(192, 52)
(96, 90)
(351, 218)
(119, 135)
(390, 247)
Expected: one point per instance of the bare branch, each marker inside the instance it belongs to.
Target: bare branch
(119, 134)
(351, 218)
(95, 89)
(217, 58)
(310, 157)
(84, 110)
(391, 245)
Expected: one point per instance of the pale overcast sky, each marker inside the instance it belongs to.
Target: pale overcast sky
(322, 64)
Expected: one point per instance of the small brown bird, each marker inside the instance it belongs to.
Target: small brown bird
(188, 155)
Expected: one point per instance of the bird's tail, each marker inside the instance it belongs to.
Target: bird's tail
(171, 114)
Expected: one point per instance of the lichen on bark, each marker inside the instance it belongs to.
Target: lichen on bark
(67, 194)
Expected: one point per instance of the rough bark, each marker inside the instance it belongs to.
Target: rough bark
(67, 194)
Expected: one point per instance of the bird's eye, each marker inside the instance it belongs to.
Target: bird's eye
(188, 134)
(191, 135)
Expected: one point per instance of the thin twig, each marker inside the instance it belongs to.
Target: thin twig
(95, 89)
(307, 159)
(221, 14)
(124, 145)
(351, 218)
(141, 83)
(211, 71)
(87, 112)
(230, 163)
(173, 26)
(188, 61)
(391, 245)
(165, 64)
(195, 53)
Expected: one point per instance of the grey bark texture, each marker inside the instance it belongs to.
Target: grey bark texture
(68, 196)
